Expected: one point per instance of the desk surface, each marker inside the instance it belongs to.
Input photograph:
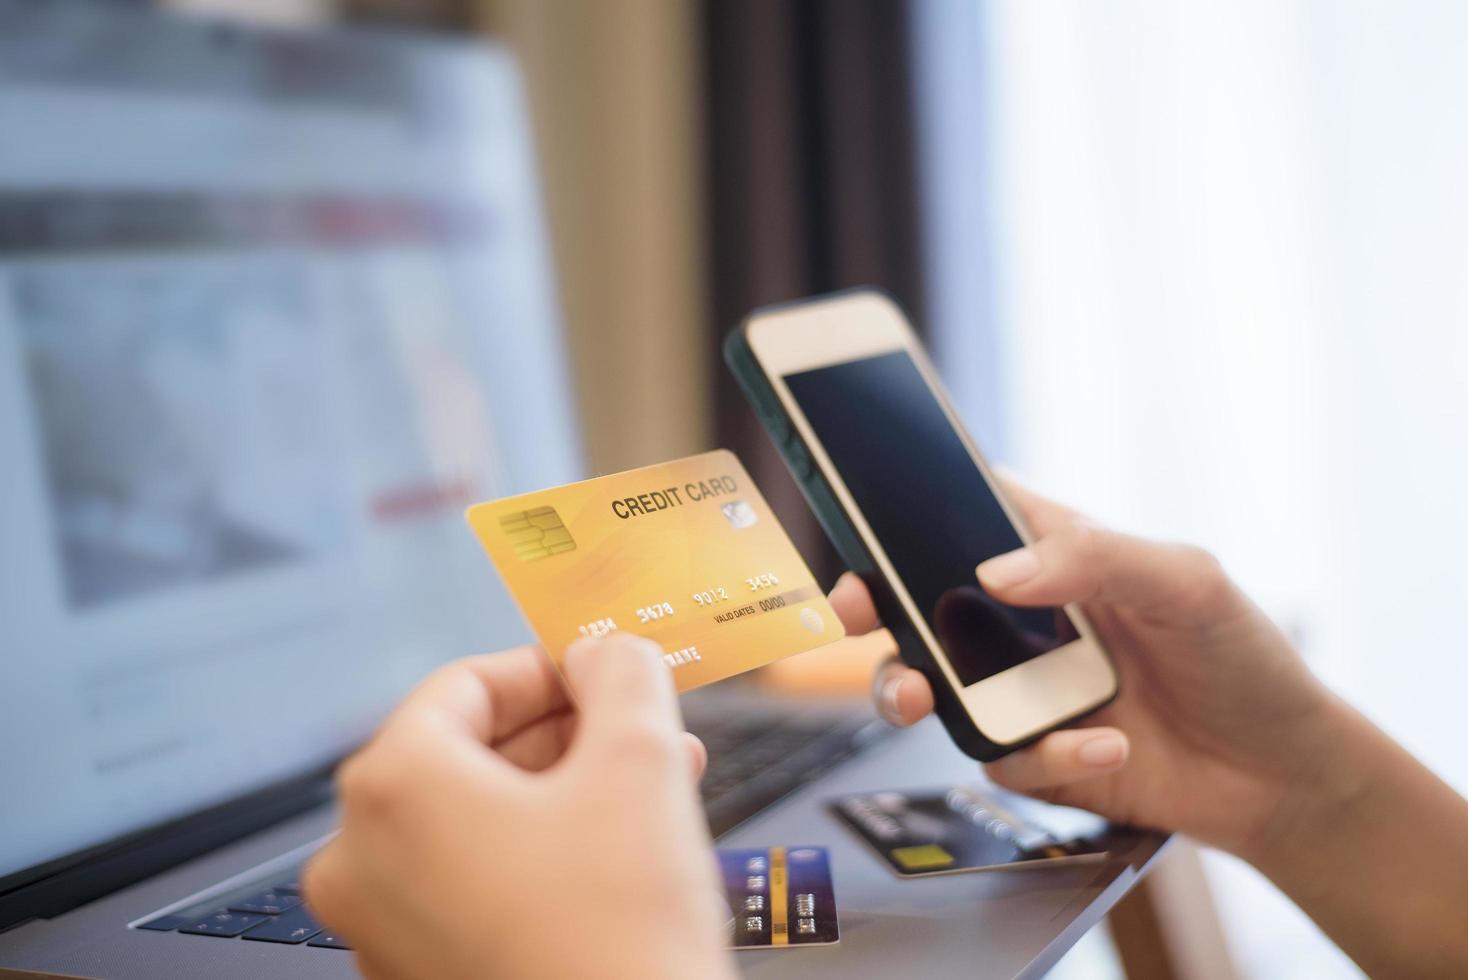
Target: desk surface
(1015, 923)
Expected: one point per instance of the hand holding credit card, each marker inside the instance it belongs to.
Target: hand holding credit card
(686, 553)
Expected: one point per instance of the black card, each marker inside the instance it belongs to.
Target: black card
(968, 828)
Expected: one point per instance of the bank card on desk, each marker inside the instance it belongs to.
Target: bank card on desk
(686, 553)
(951, 830)
(779, 897)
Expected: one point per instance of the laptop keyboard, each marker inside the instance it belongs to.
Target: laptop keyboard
(275, 913)
(755, 758)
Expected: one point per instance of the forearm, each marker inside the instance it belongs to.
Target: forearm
(1374, 847)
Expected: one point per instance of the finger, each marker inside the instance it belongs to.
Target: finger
(622, 687)
(331, 890)
(1081, 562)
(698, 755)
(538, 745)
(319, 881)
(524, 686)
(348, 892)
(487, 696)
(902, 695)
(373, 967)
(853, 604)
(1061, 758)
(1042, 514)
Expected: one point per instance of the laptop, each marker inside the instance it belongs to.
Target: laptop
(274, 307)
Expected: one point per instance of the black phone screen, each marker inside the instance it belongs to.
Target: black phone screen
(928, 504)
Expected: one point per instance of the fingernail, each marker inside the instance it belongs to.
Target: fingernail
(1103, 751)
(1007, 571)
(890, 691)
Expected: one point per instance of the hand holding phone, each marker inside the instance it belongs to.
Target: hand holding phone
(861, 419)
(1217, 718)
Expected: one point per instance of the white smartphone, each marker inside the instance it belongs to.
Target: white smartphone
(849, 396)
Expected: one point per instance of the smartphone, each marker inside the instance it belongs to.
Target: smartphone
(848, 395)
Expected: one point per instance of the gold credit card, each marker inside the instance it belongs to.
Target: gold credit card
(686, 553)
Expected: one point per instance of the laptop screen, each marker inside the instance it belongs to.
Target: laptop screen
(273, 309)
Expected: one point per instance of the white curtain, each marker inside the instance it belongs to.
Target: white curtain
(1225, 250)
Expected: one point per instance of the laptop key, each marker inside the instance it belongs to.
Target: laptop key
(295, 926)
(329, 941)
(223, 923)
(266, 903)
(167, 923)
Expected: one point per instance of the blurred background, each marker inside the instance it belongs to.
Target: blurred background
(1195, 268)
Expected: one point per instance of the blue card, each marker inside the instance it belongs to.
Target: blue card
(779, 897)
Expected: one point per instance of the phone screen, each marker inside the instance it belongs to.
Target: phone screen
(928, 504)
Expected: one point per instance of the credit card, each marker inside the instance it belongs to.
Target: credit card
(686, 553)
(779, 897)
(969, 828)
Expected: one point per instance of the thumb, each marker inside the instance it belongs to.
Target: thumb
(1071, 755)
(1080, 562)
(626, 699)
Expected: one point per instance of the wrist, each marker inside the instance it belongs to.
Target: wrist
(672, 959)
(691, 940)
(716, 964)
(1371, 845)
(1339, 754)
